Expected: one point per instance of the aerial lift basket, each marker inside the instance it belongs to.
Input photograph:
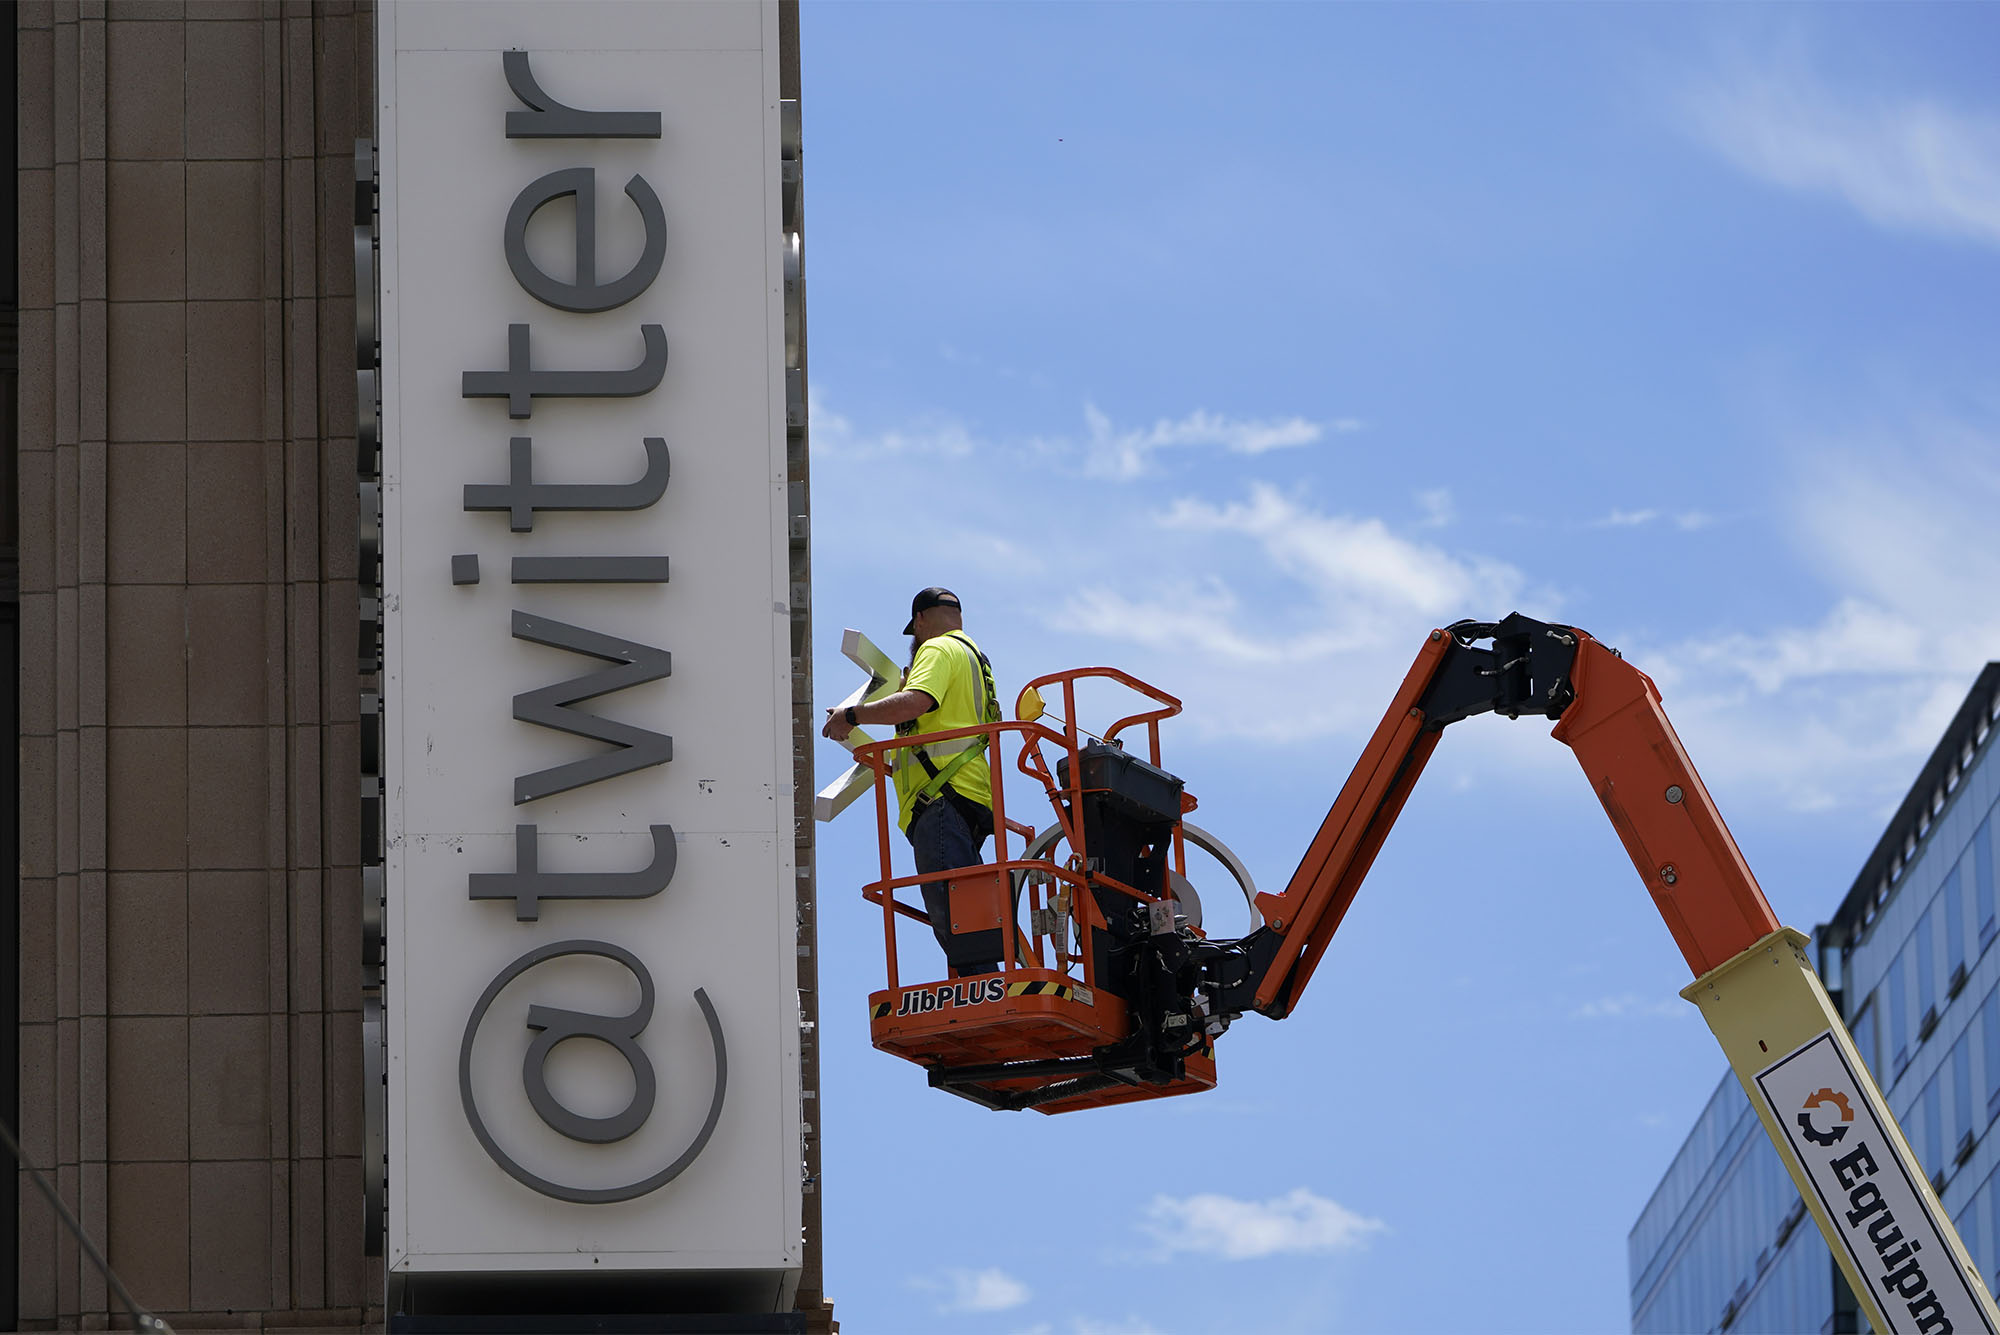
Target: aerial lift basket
(1060, 1026)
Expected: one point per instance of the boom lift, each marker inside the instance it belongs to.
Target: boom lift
(1112, 993)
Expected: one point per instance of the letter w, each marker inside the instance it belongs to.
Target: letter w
(549, 707)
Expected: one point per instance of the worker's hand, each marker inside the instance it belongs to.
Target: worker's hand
(837, 727)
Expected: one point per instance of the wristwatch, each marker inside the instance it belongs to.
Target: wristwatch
(849, 716)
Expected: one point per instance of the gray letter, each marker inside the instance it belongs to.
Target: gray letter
(550, 119)
(1866, 1200)
(521, 495)
(590, 570)
(549, 707)
(553, 1026)
(1886, 1233)
(586, 294)
(528, 884)
(521, 386)
(557, 1190)
(1907, 1280)
(1929, 1315)
(1851, 1168)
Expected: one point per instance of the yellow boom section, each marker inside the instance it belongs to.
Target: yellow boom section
(1864, 1187)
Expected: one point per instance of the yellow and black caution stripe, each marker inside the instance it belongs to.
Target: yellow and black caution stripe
(1041, 987)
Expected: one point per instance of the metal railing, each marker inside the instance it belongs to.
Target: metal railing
(1050, 886)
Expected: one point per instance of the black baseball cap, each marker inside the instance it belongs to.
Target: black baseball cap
(927, 599)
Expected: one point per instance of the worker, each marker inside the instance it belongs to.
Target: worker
(944, 792)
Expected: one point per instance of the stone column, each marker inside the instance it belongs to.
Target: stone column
(190, 1037)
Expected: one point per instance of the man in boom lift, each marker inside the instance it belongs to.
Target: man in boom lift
(944, 793)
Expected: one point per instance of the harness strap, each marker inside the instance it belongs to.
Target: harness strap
(989, 712)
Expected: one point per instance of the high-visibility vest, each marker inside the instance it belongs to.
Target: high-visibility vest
(922, 771)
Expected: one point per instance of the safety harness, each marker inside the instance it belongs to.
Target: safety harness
(989, 712)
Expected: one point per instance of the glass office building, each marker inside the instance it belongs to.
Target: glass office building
(1724, 1244)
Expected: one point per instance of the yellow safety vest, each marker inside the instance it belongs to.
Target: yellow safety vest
(950, 669)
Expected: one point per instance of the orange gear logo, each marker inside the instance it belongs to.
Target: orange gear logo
(1825, 1098)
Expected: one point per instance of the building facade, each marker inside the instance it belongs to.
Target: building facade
(1724, 1244)
(187, 939)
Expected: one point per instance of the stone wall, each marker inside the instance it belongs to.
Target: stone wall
(190, 1063)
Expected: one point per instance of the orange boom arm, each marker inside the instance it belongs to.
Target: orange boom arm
(1753, 981)
(1609, 715)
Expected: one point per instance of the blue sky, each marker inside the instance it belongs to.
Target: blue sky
(1238, 346)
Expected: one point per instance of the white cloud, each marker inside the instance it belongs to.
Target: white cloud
(1439, 511)
(1837, 709)
(1913, 164)
(1903, 532)
(1200, 618)
(1357, 562)
(1084, 1325)
(1224, 599)
(957, 356)
(1228, 1229)
(1304, 590)
(836, 436)
(1854, 638)
(1904, 520)
(1819, 743)
(1106, 450)
(1625, 519)
(1829, 706)
(1687, 521)
(1127, 453)
(997, 553)
(1630, 1005)
(987, 1290)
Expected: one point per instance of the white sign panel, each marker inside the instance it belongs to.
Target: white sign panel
(592, 1006)
(1884, 1225)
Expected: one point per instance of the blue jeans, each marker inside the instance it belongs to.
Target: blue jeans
(946, 835)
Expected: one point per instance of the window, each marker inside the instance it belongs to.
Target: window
(1899, 1018)
(1961, 1097)
(1863, 1030)
(1930, 1122)
(1927, 992)
(1982, 880)
(1954, 932)
(1989, 1030)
